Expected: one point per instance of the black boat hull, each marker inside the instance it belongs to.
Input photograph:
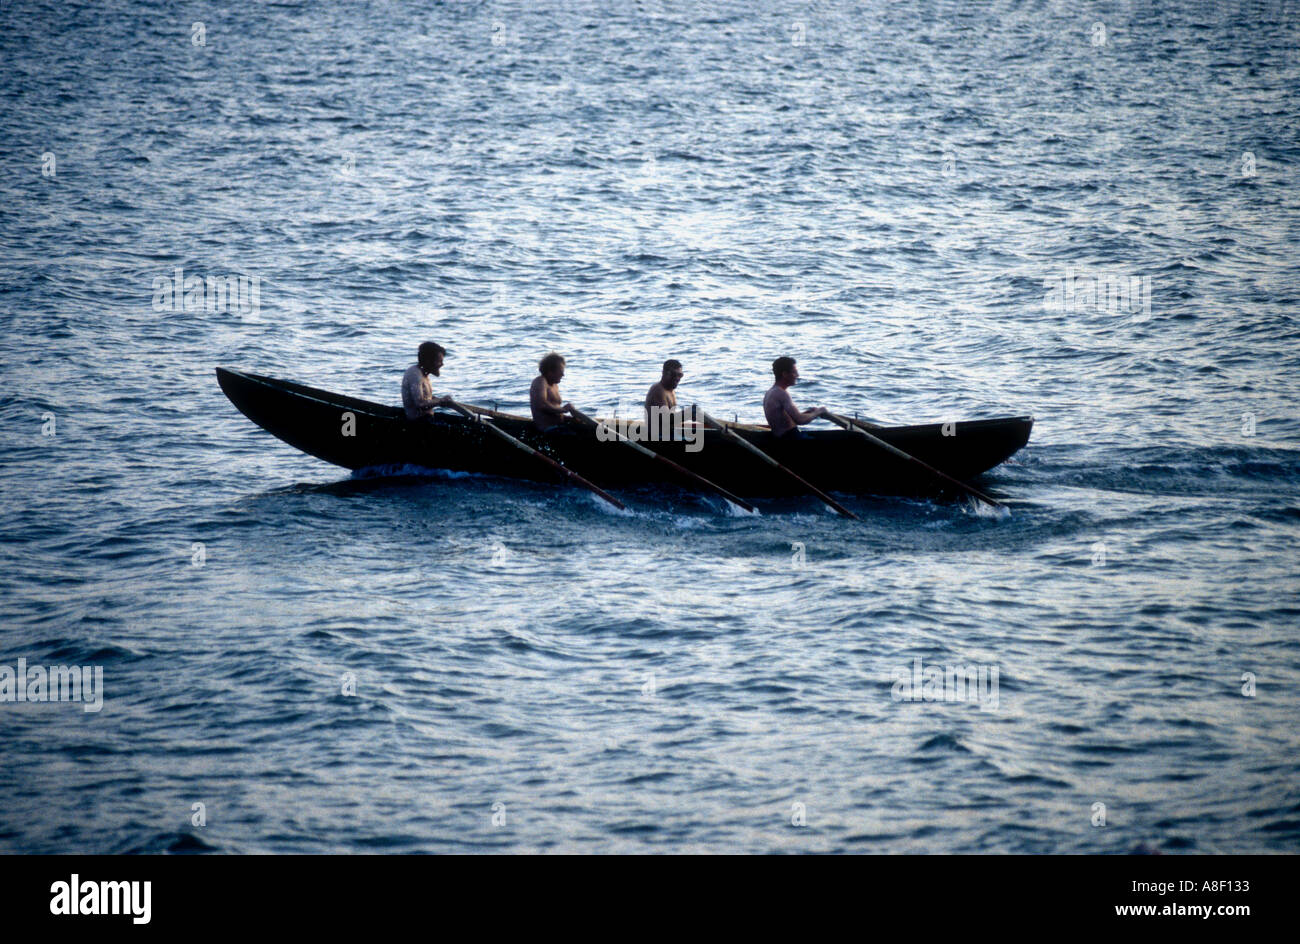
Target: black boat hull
(358, 434)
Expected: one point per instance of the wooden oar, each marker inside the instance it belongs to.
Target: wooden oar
(742, 441)
(487, 424)
(855, 426)
(676, 467)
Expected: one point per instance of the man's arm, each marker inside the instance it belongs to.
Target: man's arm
(797, 416)
(431, 401)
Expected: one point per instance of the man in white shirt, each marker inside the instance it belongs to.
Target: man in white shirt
(417, 390)
(783, 417)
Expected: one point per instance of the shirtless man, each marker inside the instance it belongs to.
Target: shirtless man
(417, 390)
(783, 417)
(544, 395)
(662, 395)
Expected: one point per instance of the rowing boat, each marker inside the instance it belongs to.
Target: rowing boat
(359, 434)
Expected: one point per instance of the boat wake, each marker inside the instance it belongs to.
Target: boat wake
(406, 470)
(732, 510)
(982, 510)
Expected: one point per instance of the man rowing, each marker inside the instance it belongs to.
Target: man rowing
(783, 417)
(663, 395)
(549, 408)
(417, 390)
(663, 421)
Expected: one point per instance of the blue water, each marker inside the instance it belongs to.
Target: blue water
(884, 193)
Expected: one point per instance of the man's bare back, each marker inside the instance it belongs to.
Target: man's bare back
(779, 408)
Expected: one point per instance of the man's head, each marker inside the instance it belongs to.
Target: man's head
(672, 374)
(431, 357)
(787, 375)
(551, 367)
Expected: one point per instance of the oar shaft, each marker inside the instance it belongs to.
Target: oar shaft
(855, 426)
(535, 453)
(675, 466)
(742, 441)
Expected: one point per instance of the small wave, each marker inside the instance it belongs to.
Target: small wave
(82, 653)
(169, 843)
(944, 742)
